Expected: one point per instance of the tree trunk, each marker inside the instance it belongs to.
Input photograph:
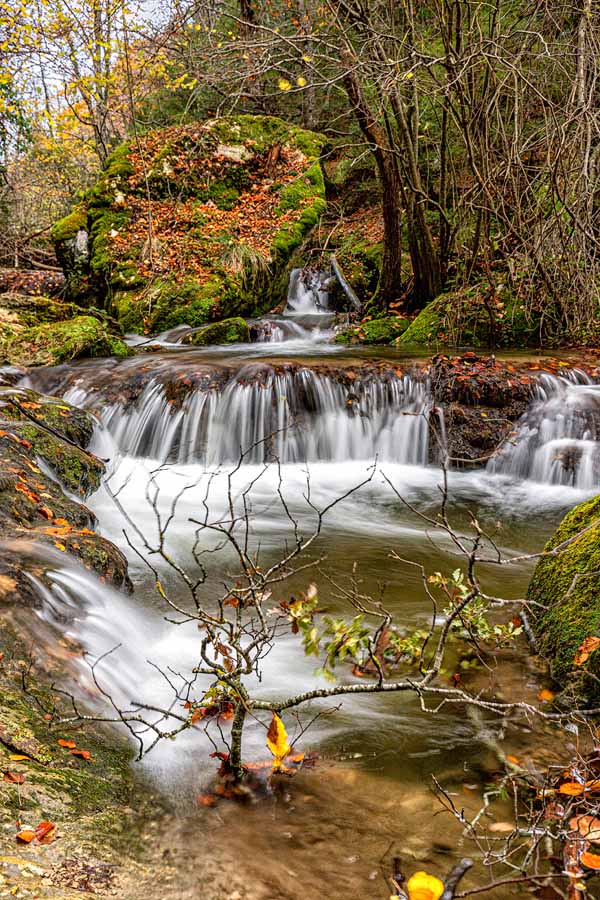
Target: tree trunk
(390, 284)
(237, 730)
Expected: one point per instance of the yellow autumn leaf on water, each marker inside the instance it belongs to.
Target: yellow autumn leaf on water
(277, 741)
(422, 886)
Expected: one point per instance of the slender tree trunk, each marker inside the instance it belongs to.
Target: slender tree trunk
(390, 284)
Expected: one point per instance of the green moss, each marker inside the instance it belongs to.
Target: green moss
(227, 331)
(564, 603)
(460, 318)
(376, 331)
(69, 226)
(47, 345)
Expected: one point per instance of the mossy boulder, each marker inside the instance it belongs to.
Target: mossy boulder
(231, 199)
(227, 331)
(58, 342)
(564, 603)
(42, 453)
(473, 318)
(376, 331)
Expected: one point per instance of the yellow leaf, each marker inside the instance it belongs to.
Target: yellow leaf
(301, 81)
(422, 886)
(277, 740)
(284, 84)
(19, 757)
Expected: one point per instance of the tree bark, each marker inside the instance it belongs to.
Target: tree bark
(390, 283)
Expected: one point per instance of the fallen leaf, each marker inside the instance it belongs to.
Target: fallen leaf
(207, 800)
(504, 827)
(84, 754)
(571, 788)
(19, 757)
(13, 778)
(44, 832)
(590, 860)
(545, 695)
(26, 836)
(589, 645)
(277, 741)
(422, 886)
(587, 826)
(70, 745)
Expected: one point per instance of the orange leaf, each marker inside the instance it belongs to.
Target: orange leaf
(45, 511)
(13, 778)
(590, 860)
(584, 651)
(571, 788)
(70, 745)
(207, 800)
(26, 836)
(85, 754)
(19, 757)
(545, 695)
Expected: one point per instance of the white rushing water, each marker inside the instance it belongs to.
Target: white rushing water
(294, 416)
(557, 439)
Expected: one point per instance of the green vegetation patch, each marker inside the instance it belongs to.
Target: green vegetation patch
(227, 331)
(48, 345)
(376, 331)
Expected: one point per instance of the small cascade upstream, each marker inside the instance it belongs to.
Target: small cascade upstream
(292, 416)
(306, 317)
(557, 439)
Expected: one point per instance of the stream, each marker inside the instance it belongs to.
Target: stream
(172, 423)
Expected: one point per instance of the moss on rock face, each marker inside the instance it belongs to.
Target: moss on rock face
(376, 331)
(48, 345)
(469, 318)
(568, 586)
(248, 189)
(227, 331)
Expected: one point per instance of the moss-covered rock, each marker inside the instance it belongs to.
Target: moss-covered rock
(472, 318)
(48, 345)
(564, 603)
(247, 189)
(42, 451)
(376, 331)
(227, 331)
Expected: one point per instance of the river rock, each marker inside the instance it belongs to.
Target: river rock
(42, 453)
(58, 342)
(227, 331)
(564, 605)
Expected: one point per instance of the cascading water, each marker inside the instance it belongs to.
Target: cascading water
(293, 416)
(556, 441)
(306, 317)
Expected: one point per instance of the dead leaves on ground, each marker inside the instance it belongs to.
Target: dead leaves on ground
(13, 777)
(73, 749)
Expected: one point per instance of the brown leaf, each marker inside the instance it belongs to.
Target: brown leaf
(44, 832)
(13, 778)
(571, 788)
(587, 826)
(589, 645)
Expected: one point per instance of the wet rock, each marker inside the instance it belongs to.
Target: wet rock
(375, 331)
(42, 451)
(51, 344)
(482, 398)
(564, 604)
(227, 331)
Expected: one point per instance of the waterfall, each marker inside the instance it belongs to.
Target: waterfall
(295, 415)
(306, 316)
(556, 440)
(307, 292)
